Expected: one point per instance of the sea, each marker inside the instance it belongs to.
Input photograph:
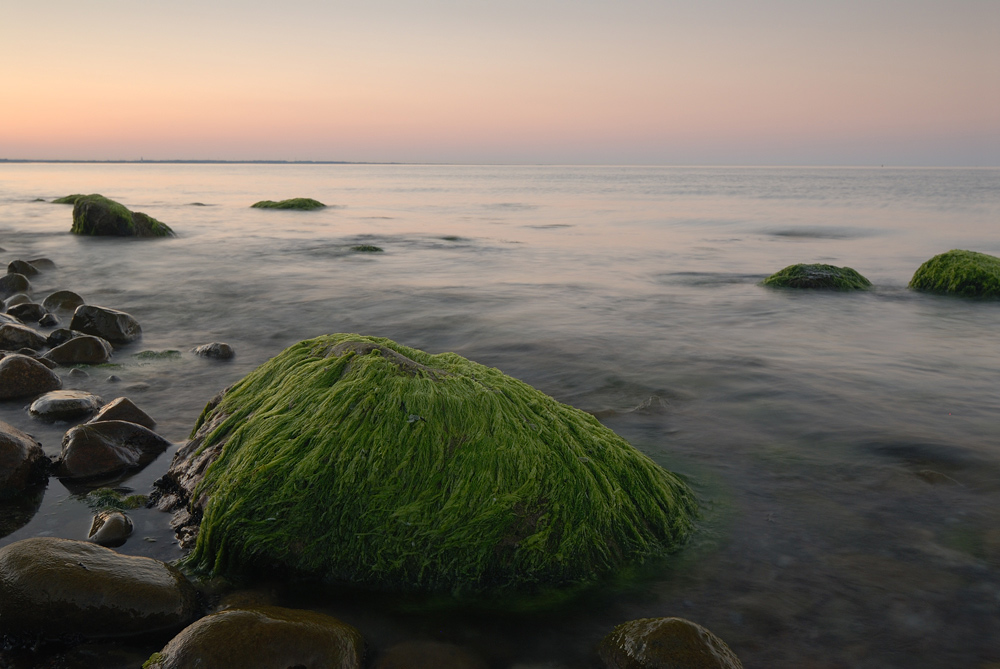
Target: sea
(844, 447)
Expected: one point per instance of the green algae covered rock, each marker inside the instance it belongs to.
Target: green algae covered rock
(99, 216)
(353, 458)
(965, 273)
(68, 199)
(301, 203)
(818, 276)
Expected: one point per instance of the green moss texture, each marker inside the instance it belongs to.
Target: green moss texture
(302, 203)
(965, 273)
(818, 277)
(356, 459)
(101, 216)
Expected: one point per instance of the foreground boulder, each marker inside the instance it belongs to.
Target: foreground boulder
(964, 273)
(107, 447)
(115, 326)
(301, 203)
(56, 587)
(665, 643)
(98, 215)
(357, 459)
(264, 636)
(818, 277)
(21, 376)
(22, 461)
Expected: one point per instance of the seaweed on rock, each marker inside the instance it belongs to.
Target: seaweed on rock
(302, 203)
(101, 216)
(965, 273)
(353, 458)
(818, 277)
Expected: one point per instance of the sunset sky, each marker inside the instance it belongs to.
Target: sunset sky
(851, 82)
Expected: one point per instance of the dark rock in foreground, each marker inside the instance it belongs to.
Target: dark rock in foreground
(818, 277)
(100, 216)
(301, 203)
(217, 349)
(15, 337)
(963, 273)
(22, 461)
(21, 376)
(65, 405)
(115, 326)
(82, 350)
(29, 312)
(107, 447)
(265, 636)
(665, 643)
(122, 408)
(56, 587)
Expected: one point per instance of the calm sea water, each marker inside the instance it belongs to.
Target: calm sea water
(845, 448)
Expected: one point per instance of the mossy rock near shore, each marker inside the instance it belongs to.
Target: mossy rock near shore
(301, 203)
(964, 273)
(97, 215)
(355, 459)
(818, 277)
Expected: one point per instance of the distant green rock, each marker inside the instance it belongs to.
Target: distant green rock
(965, 273)
(68, 199)
(818, 277)
(99, 216)
(367, 248)
(301, 203)
(355, 459)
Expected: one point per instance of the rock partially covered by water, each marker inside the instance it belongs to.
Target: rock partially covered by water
(107, 447)
(29, 312)
(122, 408)
(217, 349)
(265, 636)
(22, 461)
(301, 203)
(13, 283)
(65, 405)
(110, 529)
(82, 350)
(21, 376)
(62, 300)
(818, 277)
(115, 326)
(21, 267)
(98, 215)
(964, 273)
(56, 587)
(14, 337)
(665, 643)
(394, 468)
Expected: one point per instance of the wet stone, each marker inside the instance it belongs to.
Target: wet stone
(60, 336)
(116, 326)
(62, 300)
(22, 376)
(15, 300)
(48, 321)
(13, 283)
(107, 447)
(83, 350)
(65, 405)
(29, 312)
(110, 528)
(665, 643)
(22, 461)
(122, 408)
(41, 264)
(78, 373)
(22, 267)
(13, 337)
(217, 350)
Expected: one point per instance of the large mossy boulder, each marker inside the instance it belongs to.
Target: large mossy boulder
(98, 215)
(818, 277)
(300, 203)
(353, 458)
(965, 273)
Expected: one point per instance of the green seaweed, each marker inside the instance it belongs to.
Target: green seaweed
(818, 277)
(154, 660)
(957, 272)
(301, 203)
(366, 248)
(68, 199)
(356, 459)
(109, 499)
(170, 354)
(98, 215)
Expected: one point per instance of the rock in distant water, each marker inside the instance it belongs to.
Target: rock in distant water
(68, 199)
(65, 405)
(29, 312)
(15, 337)
(22, 267)
(218, 350)
(21, 376)
(82, 350)
(98, 215)
(13, 283)
(56, 587)
(107, 447)
(115, 326)
(367, 248)
(22, 461)
(110, 528)
(818, 277)
(62, 300)
(665, 643)
(964, 273)
(264, 636)
(302, 203)
(41, 264)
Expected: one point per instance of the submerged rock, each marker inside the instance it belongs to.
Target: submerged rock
(217, 349)
(98, 215)
(14, 300)
(22, 461)
(122, 408)
(82, 350)
(107, 447)
(62, 300)
(264, 636)
(65, 405)
(302, 203)
(116, 326)
(367, 248)
(15, 337)
(13, 283)
(21, 376)
(21, 267)
(390, 467)
(818, 276)
(110, 529)
(665, 643)
(56, 587)
(964, 273)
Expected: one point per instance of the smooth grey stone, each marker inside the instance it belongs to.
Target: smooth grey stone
(14, 337)
(217, 350)
(82, 350)
(116, 326)
(13, 283)
(65, 405)
(107, 447)
(110, 528)
(22, 376)
(22, 461)
(62, 300)
(22, 267)
(29, 312)
(122, 408)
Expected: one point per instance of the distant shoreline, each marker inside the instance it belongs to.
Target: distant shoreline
(195, 162)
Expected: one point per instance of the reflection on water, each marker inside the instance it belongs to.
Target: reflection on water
(843, 446)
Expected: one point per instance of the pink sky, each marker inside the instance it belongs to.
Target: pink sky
(727, 82)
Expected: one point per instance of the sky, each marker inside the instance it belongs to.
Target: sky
(708, 82)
